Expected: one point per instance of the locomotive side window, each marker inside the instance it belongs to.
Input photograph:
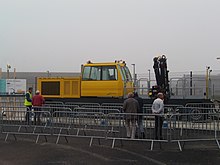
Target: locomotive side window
(100, 73)
(109, 73)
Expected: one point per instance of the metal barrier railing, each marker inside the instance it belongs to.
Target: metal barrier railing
(52, 109)
(105, 106)
(178, 126)
(201, 105)
(183, 128)
(69, 123)
(17, 121)
(11, 104)
(79, 124)
(72, 107)
(167, 108)
(54, 102)
(112, 104)
(103, 109)
(196, 113)
(142, 126)
(97, 125)
(11, 100)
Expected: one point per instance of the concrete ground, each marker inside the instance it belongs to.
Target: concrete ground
(25, 151)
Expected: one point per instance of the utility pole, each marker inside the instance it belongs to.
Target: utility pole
(191, 78)
(149, 79)
(8, 68)
(207, 80)
(134, 75)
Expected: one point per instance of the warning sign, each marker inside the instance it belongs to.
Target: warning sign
(12, 86)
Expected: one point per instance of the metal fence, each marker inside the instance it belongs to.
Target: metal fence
(167, 108)
(11, 101)
(58, 103)
(14, 122)
(184, 128)
(180, 125)
(71, 106)
(201, 105)
(184, 87)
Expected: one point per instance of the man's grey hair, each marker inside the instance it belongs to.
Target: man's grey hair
(159, 94)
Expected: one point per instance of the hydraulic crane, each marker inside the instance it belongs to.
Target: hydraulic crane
(161, 75)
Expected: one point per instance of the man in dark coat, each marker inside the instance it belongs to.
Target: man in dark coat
(130, 106)
(140, 131)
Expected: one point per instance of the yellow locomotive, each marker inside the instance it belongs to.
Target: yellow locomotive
(110, 79)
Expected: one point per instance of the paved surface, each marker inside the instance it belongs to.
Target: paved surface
(25, 152)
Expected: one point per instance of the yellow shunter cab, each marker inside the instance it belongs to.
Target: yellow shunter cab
(106, 79)
(112, 79)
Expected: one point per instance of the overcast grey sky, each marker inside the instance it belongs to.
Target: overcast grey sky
(60, 35)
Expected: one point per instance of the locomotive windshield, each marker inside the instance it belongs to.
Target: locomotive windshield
(126, 75)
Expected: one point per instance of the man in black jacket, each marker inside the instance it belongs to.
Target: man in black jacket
(140, 130)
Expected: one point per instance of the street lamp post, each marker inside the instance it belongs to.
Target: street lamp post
(210, 82)
(48, 73)
(210, 74)
(149, 79)
(208, 71)
(8, 68)
(134, 75)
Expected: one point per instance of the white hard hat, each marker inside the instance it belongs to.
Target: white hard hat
(37, 91)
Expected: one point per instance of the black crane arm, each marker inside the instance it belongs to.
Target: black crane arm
(161, 75)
